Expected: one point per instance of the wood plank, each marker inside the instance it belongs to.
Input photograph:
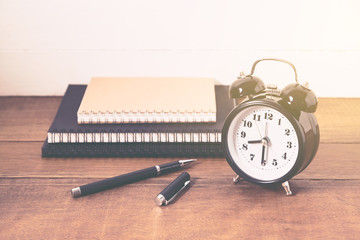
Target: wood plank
(26, 118)
(339, 120)
(35, 200)
(31, 118)
(23, 159)
(209, 209)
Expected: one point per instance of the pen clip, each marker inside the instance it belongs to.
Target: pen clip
(177, 193)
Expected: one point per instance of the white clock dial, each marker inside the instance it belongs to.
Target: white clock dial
(263, 143)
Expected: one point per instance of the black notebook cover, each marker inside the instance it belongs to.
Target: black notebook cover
(65, 127)
(179, 150)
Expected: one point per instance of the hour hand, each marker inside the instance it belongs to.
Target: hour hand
(255, 141)
(265, 151)
(263, 157)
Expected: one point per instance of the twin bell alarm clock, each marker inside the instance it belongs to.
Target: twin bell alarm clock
(272, 134)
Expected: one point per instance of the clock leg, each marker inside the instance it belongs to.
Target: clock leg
(236, 179)
(286, 186)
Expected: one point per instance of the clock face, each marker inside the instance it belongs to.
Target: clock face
(263, 143)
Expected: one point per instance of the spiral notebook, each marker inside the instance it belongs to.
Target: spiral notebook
(138, 100)
(66, 138)
(65, 128)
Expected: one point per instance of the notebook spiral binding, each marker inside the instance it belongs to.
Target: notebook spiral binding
(145, 117)
(134, 137)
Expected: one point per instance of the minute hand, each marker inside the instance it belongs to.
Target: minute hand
(265, 149)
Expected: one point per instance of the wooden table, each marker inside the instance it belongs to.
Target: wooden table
(35, 200)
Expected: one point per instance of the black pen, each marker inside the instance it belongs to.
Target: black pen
(128, 178)
(169, 193)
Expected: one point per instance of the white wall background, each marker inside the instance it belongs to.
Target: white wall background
(47, 44)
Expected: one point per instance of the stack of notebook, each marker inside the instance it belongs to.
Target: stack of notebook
(140, 117)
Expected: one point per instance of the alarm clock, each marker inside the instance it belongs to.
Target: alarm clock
(272, 134)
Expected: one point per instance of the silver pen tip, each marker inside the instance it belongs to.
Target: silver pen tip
(187, 161)
(76, 192)
(160, 200)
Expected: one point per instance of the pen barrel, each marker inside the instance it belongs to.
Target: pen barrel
(118, 181)
(169, 167)
(175, 186)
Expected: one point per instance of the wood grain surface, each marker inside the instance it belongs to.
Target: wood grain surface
(35, 199)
